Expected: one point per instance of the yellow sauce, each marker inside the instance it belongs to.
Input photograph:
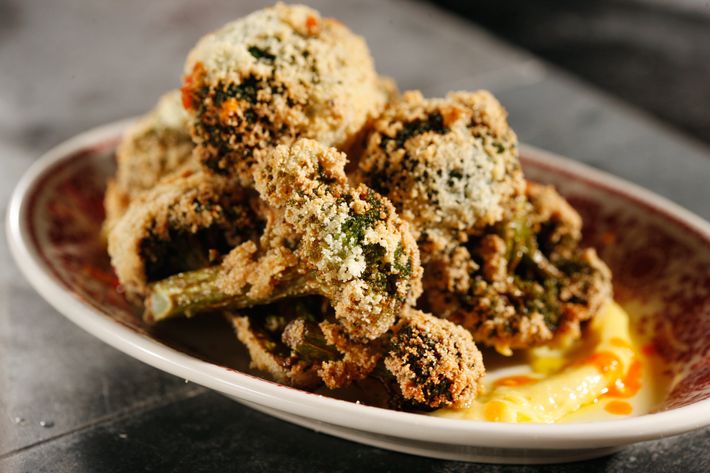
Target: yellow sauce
(605, 376)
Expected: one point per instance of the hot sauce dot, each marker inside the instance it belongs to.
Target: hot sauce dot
(186, 96)
(521, 380)
(619, 408)
(450, 115)
(312, 24)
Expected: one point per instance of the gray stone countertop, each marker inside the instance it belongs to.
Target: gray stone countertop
(69, 65)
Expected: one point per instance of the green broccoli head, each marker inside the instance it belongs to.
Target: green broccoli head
(434, 362)
(351, 243)
(449, 166)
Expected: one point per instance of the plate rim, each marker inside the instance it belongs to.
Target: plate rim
(272, 395)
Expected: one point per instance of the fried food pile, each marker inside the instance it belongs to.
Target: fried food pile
(232, 196)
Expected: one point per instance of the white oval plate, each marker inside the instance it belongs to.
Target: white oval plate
(45, 239)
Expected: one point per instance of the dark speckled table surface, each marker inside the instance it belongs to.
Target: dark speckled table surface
(69, 403)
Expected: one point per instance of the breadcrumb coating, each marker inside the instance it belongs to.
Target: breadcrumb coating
(450, 166)
(434, 361)
(276, 75)
(347, 242)
(183, 223)
(525, 281)
(358, 360)
(425, 362)
(267, 355)
(155, 146)
(297, 344)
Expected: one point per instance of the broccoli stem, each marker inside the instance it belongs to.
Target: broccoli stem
(197, 291)
(522, 245)
(306, 339)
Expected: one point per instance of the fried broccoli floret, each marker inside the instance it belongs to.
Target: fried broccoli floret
(505, 265)
(424, 362)
(450, 166)
(434, 362)
(524, 281)
(298, 342)
(262, 330)
(154, 147)
(324, 237)
(276, 75)
(186, 222)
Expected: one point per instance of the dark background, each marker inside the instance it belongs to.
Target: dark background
(654, 54)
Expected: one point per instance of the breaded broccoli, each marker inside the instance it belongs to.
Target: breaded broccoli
(186, 222)
(271, 77)
(324, 237)
(523, 281)
(262, 328)
(298, 342)
(434, 362)
(424, 362)
(450, 166)
(155, 146)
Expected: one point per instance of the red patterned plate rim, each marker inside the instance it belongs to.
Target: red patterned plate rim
(416, 427)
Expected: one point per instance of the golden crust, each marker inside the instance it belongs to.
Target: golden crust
(246, 268)
(142, 243)
(285, 340)
(549, 206)
(282, 367)
(449, 166)
(435, 362)
(116, 202)
(357, 362)
(276, 75)
(363, 256)
(155, 146)
(522, 306)
(430, 362)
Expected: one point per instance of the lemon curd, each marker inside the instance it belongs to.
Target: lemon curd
(605, 376)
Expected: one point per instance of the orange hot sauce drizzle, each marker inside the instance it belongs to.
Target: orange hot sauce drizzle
(628, 385)
(605, 362)
(624, 385)
(511, 381)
